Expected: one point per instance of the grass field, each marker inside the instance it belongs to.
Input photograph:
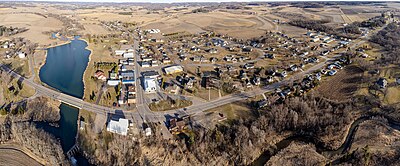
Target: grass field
(233, 110)
(20, 66)
(20, 93)
(100, 53)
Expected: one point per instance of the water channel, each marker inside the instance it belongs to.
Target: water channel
(266, 155)
(63, 70)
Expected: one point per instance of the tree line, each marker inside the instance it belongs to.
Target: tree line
(36, 140)
(389, 39)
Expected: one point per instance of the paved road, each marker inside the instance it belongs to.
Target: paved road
(45, 91)
(144, 114)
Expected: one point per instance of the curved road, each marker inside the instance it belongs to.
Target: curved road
(144, 113)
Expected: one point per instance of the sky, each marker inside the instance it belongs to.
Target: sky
(171, 1)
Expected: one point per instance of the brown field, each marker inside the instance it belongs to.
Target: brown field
(236, 25)
(15, 156)
(35, 23)
(174, 25)
(94, 29)
(343, 85)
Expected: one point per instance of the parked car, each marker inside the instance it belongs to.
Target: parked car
(332, 72)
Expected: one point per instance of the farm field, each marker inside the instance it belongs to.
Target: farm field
(13, 155)
(36, 24)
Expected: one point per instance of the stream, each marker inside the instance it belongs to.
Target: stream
(63, 70)
(267, 154)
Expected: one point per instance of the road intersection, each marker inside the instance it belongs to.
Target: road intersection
(143, 113)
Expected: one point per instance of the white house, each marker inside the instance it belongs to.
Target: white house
(113, 82)
(118, 127)
(148, 131)
(22, 55)
(119, 52)
(128, 55)
(315, 39)
(325, 38)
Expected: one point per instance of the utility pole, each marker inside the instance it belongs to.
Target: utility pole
(209, 93)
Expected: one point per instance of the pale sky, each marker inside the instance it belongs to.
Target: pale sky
(171, 1)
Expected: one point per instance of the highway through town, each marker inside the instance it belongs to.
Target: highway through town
(143, 113)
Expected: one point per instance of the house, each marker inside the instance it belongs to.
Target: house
(152, 31)
(150, 74)
(119, 52)
(150, 85)
(325, 38)
(166, 60)
(82, 125)
(118, 127)
(270, 79)
(247, 49)
(364, 55)
(213, 60)
(196, 58)
(22, 55)
(123, 97)
(173, 69)
(303, 54)
(209, 79)
(190, 83)
(131, 98)
(154, 63)
(113, 76)
(382, 83)
(262, 103)
(146, 63)
(123, 68)
(344, 42)
(311, 34)
(113, 82)
(130, 61)
(248, 66)
(270, 56)
(256, 80)
(177, 125)
(147, 131)
(315, 39)
(329, 40)
(293, 67)
(100, 75)
(229, 58)
(128, 77)
(128, 55)
(283, 74)
(212, 50)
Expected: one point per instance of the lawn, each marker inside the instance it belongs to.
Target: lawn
(99, 53)
(232, 111)
(20, 66)
(15, 90)
(165, 105)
